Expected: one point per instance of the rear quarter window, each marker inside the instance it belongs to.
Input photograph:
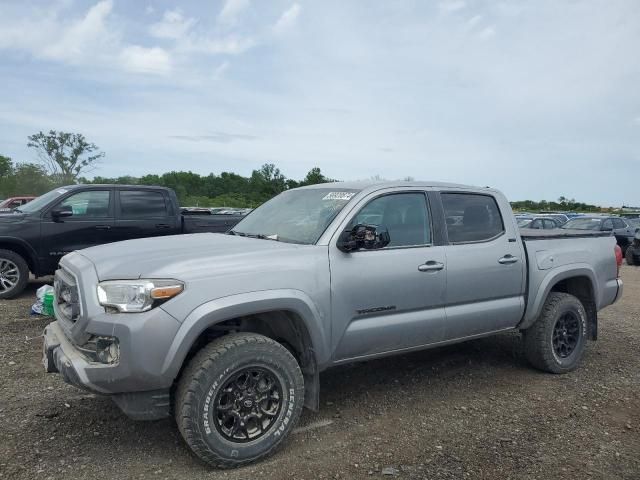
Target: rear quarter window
(471, 217)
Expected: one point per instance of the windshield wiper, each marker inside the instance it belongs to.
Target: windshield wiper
(261, 236)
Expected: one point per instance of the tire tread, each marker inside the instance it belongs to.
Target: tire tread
(189, 387)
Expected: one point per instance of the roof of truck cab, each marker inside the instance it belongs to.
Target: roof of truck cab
(373, 184)
(113, 185)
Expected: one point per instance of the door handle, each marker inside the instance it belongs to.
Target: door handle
(507, 259)
(103, 227)
(162, 225)
(431, 266)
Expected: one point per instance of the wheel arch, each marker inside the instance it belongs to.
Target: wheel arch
(23, 249)
(580, 282)
(289, 317)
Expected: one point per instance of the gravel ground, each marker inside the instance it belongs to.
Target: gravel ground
(474, 410)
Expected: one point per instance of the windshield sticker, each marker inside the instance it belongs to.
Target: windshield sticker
(338, 196)
(61, 191)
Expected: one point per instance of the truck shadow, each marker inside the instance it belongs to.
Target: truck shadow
(92, 423)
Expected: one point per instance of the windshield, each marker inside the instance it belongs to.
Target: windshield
(296, 216)
(583, 224)
(43, 200)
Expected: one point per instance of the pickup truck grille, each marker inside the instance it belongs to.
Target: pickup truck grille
(66, 296)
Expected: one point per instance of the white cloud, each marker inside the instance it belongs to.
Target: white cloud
(230, 45)
(487, 33)
(473, 21)
(231, 10)
(452, 6)
(173, 25)
(218, 73)
(288, 19)
(149, 10)
(86, 37)
(146, 60)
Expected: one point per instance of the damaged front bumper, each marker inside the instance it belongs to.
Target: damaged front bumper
(59, 355)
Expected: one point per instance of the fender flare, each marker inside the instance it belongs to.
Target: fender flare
(534, 306)
(226, 308)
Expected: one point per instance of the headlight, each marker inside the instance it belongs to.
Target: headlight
(137, 295)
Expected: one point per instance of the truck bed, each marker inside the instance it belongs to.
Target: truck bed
(216, 223)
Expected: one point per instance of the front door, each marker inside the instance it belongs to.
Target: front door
(90, 224)
(392, 298)
(485, 266)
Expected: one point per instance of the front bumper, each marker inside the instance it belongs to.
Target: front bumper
(59, 355)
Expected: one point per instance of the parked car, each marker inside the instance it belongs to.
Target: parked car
(14, 202)
(36, 235)
(606, 223)
(560, 218)
(634, 223)
(632, 254)
(538, 223)
(228, 333)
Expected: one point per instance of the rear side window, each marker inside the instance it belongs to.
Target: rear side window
(471, 217)
(142, 204)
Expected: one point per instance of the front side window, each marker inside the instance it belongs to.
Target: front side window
(536, 224)
(91, 204)
(471, 217)
(139, 204)
(405, 215)
(549, 224)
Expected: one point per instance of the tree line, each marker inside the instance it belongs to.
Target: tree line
(67, 158)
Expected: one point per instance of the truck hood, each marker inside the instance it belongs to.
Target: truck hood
(182, 257)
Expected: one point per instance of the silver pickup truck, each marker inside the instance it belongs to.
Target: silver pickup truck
(228, 332)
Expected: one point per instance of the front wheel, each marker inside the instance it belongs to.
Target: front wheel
(629, 256)
(238, 399)
(14, 274)
(555, 343)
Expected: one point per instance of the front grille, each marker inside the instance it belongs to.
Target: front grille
(66, 296)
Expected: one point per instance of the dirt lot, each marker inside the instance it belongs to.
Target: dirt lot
(474, 410)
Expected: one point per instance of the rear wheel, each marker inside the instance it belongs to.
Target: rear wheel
(14, 274)
(555, 343)
(238, 399)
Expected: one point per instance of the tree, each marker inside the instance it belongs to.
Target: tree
(314, 177)
(65, 156)
(6, 166)
(31, 179)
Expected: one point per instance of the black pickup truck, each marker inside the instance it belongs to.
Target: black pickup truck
(34, 236)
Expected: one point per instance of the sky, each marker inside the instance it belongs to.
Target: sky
(539, 99)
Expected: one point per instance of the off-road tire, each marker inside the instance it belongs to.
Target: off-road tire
(23, 274)
(538, 339)
(629, 256)
(207, 373)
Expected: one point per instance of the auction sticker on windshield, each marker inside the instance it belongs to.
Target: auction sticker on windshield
(338, 196)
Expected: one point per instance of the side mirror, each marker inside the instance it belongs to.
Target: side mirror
(62, 212)
(369, 237)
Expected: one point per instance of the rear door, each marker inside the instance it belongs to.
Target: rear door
(144, 213)
(485, 265)
(91, 224)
